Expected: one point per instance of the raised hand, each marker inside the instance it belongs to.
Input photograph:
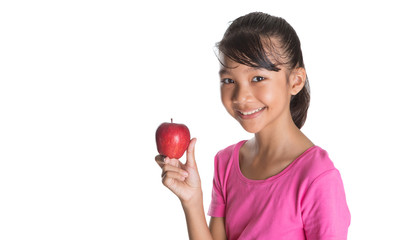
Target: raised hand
(182, 179)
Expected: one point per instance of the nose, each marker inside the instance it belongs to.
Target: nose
(241, 94)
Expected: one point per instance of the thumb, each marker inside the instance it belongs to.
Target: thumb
(190, 160)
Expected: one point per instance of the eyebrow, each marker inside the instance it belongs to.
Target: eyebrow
(223, 71)
(227, 71)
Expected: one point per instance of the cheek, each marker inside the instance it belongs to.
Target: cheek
(222, 96)
(269, 96)
(272, 95)
(226, 96)
(266, 94)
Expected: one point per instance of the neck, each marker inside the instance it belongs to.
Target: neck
(275, 141)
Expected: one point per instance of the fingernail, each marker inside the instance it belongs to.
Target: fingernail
(185, 174)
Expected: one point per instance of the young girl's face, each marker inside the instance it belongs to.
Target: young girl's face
(255, 97)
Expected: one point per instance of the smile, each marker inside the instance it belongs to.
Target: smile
(251, 112)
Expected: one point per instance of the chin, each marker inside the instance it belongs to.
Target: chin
(251, 128)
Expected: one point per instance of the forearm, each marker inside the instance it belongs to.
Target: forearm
(195, 218)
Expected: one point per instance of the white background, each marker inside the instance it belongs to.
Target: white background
(84, 85)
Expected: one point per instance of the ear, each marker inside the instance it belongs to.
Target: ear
(297, 80)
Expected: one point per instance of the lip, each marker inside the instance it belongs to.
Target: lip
(250, 116)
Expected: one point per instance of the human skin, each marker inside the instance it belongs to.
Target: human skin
(259, 100)
(184, 181)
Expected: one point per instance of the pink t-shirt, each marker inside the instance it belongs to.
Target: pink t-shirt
(304, 201)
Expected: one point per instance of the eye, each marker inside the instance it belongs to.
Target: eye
(258, 79)
(227, 80)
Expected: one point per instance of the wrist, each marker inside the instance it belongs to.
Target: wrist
(196, 200)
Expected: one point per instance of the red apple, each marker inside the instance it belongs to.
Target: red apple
(172, 139)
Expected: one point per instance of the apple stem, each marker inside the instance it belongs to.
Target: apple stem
(171, 120)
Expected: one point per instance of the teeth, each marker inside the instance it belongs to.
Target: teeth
(249, 113)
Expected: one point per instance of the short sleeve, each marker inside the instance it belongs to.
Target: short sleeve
(325, 213)
(217, 206)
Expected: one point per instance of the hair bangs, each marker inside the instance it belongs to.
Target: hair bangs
(247, 48)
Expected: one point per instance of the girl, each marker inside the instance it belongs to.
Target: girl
(277, 185)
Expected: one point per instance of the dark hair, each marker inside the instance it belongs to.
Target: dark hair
(256, 38)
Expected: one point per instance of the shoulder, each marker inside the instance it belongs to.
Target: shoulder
(227, 153)
(314, 162)
(323, 199)
(224, 158)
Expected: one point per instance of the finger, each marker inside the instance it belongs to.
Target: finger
(169, 168)
(170, 178)
(160, 158)
(173, 161)
(190, 159)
